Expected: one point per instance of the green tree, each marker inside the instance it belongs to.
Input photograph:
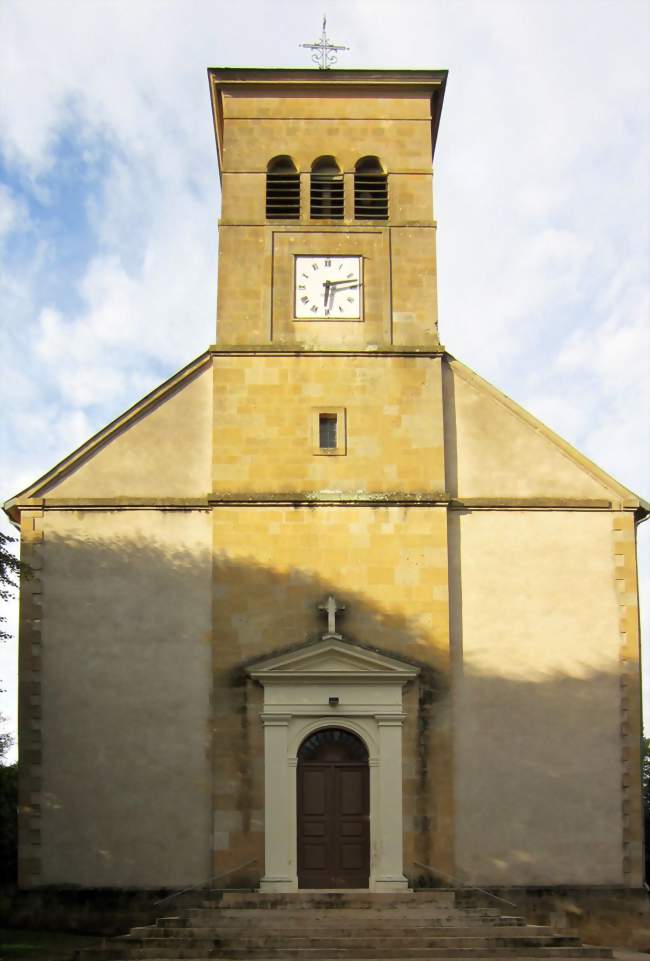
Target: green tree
(8, 823)
(10, 569)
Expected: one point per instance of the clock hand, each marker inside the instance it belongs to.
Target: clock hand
(326, 294)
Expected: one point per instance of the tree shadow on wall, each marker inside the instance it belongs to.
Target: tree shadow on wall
(148, 726)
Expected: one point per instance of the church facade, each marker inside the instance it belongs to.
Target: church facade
(326, 609)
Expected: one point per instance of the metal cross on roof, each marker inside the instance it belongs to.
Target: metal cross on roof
(323, 50)
(331, 607)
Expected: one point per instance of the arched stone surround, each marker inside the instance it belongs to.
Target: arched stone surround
(298, 687)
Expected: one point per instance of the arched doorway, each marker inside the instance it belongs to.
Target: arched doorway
(333, 811)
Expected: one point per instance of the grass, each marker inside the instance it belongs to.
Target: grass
(21, 943)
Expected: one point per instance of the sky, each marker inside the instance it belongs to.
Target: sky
(109, 202)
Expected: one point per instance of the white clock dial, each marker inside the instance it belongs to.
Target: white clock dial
(328, 288)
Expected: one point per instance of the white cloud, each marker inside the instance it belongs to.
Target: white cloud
(541, 195)
(12, 213)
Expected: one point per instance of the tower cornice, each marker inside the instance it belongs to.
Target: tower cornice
(296, 82)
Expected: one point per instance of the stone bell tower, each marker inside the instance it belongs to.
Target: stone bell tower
(316, 166)
(328, 452)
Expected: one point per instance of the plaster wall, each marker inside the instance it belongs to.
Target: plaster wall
(537, 722)
(493, 450)
(125, 702)
(165, 452)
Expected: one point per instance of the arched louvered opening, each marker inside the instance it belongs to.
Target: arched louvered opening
(282, 190)
(370, 190)
(326, 190)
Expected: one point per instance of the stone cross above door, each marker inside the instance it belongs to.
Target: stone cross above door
(331, 607)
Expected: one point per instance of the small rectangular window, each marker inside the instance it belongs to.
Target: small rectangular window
(327, 431)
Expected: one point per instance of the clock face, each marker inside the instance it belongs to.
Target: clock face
(328, 288)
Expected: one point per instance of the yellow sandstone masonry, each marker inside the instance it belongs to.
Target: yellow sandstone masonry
(390, 565)
(263, 424)
(346, 121)
(625, 574)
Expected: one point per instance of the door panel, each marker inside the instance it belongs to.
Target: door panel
(351, 799)
(314, 792)
(333, 825)
(314, 795)
(315, 857)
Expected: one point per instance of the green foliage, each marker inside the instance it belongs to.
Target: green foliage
(8, 823)
(19, 944)
(6, 741)
(645, 788)
(10, 569)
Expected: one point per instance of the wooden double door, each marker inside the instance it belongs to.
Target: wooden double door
(333, 811)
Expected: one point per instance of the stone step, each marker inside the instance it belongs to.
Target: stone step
(354, 948)
(559, 953)
(342, 926)
(440, 895)
(359, 938)
(363, 904)
(306, 913)
(263, 940)
(280, 930)
(340, 899)
(348, 917)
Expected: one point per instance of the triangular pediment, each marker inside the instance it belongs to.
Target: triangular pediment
(501, 451)
(329, 659)
(159, 448)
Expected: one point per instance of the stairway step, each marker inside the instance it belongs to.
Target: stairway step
(348, 926)
(362, 954)
(282, 929)
(389, 916)
(360, 939)
(356, 952)
(327, 899)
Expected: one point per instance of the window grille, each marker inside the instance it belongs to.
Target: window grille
(370, 190)
(327, 431)
(282, 190)
(326, 202)
(316, 746)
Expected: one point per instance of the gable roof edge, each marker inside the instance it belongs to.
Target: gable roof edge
(627, 498)
(11, 507)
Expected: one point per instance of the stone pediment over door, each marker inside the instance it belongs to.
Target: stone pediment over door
(332, 659)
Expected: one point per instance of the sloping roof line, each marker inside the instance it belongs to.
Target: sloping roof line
(106, 433)
(627, 497)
